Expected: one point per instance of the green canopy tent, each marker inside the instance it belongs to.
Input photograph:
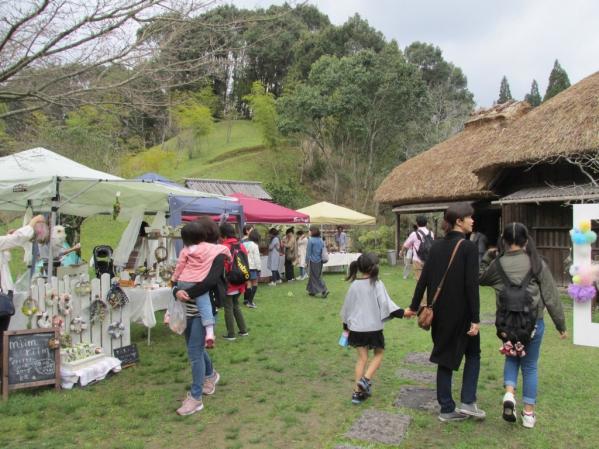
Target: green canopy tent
(48, 182)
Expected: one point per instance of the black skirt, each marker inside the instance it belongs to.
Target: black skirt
(371, 340)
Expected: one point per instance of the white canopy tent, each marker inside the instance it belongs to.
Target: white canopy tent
(34, 177)
(49, 182)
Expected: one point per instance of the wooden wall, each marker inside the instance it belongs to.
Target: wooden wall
(549, 224)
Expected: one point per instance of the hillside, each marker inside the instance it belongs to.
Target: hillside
(244, 157)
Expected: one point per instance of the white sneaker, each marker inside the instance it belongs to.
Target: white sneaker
(509, 407)
(272, 284)
(279, 281)
(528, 421)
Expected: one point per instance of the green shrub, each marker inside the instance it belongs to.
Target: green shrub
(377, 240)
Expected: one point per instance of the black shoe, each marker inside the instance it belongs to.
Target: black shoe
(311, 294)
(325, 294)
(243, 334)
(358, 397)
(364, 385)
(229, 337)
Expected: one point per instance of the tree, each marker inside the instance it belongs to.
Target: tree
(558, 81)
(534, 97)
(449, 98)
(354, 110)
(194, 120)
(504, 91)
(264, 113)
(70, 53)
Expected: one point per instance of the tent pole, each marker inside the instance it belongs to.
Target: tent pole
(55, 202)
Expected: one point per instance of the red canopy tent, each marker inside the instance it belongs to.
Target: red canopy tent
(259, 211)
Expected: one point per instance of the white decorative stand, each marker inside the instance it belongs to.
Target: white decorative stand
(585, 332)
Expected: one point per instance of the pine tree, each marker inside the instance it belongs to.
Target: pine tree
(558, 81)
(504, 91)
(534, 97)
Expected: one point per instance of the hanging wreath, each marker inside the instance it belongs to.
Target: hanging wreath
(29, 309)
(51, 298)
(64, 304)
(44, 321)
(161, 253)
(97, 310)
(58, 323)
(116, 297)
(116, 329)
(83, 288)
(78, 325)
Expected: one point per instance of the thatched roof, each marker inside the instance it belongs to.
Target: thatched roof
(463, 166)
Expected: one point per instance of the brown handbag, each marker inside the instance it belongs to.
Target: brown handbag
(425, 313)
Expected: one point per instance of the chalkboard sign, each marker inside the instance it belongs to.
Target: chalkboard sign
(28, 359)
(128, 355)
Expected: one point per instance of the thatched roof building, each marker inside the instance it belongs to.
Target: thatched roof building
(509, 161)
(465, 165)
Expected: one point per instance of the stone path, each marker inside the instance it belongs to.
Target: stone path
(375, 426)
(426, 377)
(418, 398)
(419, 358)
(380, 427)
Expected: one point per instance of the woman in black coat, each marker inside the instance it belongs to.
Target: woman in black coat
(456, 319)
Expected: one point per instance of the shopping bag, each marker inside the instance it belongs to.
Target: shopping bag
(177, 319)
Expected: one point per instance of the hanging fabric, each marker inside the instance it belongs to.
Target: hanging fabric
(128, 239)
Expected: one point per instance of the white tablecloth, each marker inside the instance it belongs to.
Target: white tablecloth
(265, 272)
(340, 260)
(145, 301)
(90, 373)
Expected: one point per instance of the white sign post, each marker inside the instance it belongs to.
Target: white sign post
(585, 332)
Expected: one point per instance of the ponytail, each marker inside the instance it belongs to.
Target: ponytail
(368, 264)
(353, 271)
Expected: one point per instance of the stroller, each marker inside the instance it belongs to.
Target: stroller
(103, 260)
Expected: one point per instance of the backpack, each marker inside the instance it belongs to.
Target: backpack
(426, 243)
(239, 272)
(516, 317)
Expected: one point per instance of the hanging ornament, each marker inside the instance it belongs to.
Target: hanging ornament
(29, 309)
(116, 207)
(64, 304)
(43, 321)
(116, 329)
(78, 325)
(97, 310)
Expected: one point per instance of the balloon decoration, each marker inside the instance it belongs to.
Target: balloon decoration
(584, 276)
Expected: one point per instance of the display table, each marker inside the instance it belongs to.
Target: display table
(88, 373)
(146, 301)
(340, 261)
(265, 272)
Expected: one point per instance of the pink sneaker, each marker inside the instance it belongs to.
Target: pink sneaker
(190, 406)
(210, 382)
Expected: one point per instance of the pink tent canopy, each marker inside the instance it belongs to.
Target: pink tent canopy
(259, 211)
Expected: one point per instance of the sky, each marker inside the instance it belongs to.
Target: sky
(487, 39)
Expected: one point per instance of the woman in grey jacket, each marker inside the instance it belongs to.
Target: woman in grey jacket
(518, 256)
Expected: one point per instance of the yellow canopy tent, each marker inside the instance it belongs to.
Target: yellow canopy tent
(331, 214)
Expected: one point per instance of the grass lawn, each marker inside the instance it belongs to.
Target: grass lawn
(288, 385)
(242, 158)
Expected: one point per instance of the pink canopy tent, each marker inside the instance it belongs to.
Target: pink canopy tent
(259, 211)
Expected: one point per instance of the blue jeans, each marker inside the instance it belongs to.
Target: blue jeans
(202, 303)
(469, 378)
(529, 366)
(201, 365)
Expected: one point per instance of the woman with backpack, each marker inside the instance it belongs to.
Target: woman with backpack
(452, 267)
(233, 312)
(519, 267)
